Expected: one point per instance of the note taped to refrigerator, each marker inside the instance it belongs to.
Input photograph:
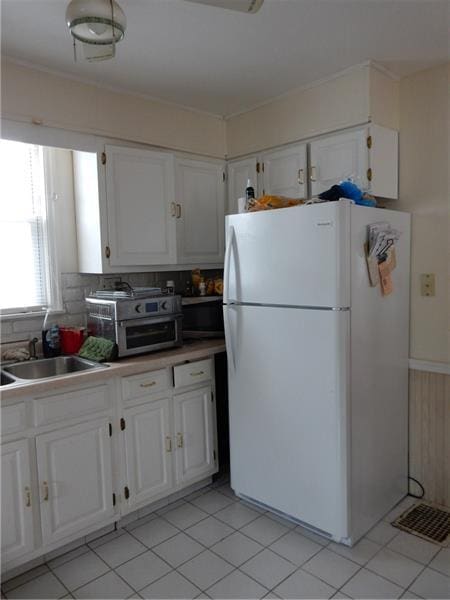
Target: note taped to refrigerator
(380, 255)
(387, 286)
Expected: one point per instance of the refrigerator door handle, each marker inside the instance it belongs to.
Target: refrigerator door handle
(226, 269)
(228, 337)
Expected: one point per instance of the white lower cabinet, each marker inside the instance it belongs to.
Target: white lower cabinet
(17, 516)
(193, 419)
(148, 449)
(75, 478)
(86, 456)
(169, 438)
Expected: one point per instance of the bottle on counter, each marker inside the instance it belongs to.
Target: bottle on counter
(50, 336)
(202, 287)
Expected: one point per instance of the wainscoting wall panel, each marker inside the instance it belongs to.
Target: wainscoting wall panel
(429, 434)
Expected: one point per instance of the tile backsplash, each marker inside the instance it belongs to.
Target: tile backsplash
(76, 286)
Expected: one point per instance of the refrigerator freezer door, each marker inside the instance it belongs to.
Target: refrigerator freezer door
(287, 398)
(291, 257)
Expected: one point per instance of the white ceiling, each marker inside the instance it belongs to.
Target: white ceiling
(224, 62)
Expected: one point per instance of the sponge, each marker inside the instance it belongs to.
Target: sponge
(97, 348)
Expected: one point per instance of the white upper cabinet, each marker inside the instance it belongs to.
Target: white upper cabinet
(17, 497)
(138, 210)
(284, 172)
(339, 157)
(75, 479)
(239, 172)
(200, 212)
(368, 156)
(140, 195)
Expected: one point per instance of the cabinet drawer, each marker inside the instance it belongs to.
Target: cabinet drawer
(151, 382)
(13, 418)
(62, 407)
(194, 372)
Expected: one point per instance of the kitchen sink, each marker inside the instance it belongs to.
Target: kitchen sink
(50, 367)
(6, 379)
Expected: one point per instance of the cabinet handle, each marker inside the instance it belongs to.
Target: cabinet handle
(301, 176)
(27, 496)
(173, 209)
(45, 490)
(178, 211)
(150, 384)
(313, 173)
(180, 441)
(168, 444)
(197, 373)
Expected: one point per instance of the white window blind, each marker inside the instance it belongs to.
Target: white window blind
(23, 244)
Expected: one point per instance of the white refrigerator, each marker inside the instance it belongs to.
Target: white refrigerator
(317, 366)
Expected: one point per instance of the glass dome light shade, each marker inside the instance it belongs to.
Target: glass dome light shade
(90, 21)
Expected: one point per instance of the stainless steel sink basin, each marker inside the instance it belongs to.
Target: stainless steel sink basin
(6, 379)
(50, 367)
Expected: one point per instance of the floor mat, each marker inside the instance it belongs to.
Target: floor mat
(428, 521)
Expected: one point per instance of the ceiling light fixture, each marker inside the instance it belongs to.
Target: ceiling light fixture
(98, 25)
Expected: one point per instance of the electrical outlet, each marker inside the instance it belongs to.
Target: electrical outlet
(427, 284)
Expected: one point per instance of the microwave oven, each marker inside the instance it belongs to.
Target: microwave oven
(203, 317)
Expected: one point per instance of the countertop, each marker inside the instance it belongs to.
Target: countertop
(192, 350)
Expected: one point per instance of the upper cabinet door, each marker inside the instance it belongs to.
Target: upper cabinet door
(140, 194)
(17, 498)
(284, 172)
(75, 476)
(336, 158)
(239, 172)
(200, 212)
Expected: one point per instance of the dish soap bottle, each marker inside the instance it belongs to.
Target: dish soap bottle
(50, 336)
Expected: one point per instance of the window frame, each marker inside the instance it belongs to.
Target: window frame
(49, 260)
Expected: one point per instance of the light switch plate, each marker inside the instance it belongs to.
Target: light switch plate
(427, 284)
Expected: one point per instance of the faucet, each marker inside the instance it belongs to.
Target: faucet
(32, 347)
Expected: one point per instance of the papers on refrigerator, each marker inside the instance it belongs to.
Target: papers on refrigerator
(381, 237)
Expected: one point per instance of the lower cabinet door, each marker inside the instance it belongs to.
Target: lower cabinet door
(193, 434)
(148, 447)
(75, 478)
(17, 516)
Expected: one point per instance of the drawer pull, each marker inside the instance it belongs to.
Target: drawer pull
(180, 441)
(27, 496)
(45, 489)
(197, 373)
(150, 384)
(168, 444)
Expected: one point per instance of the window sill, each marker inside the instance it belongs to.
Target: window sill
(29, 315)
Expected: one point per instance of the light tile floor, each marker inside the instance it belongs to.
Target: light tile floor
(212, 545)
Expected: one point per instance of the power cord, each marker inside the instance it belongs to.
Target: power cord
(421, 487)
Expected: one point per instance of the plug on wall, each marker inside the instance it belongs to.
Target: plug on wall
(427, 284)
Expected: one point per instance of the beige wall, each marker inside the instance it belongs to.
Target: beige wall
(384, 92)
(64, 103)
(339, 102)
(424, 191)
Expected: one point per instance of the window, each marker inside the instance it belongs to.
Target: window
(25, 249)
